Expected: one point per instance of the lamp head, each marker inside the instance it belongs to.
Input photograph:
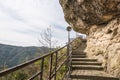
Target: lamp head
(68, 28)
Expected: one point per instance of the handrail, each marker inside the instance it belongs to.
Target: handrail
(20, 66)
(35, 75)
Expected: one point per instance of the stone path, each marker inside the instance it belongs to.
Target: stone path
(84, 68)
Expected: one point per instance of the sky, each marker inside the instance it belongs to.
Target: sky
(22, 22)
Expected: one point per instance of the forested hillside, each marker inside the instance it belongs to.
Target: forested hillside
(13, 55)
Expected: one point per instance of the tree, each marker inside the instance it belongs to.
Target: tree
(46, 38)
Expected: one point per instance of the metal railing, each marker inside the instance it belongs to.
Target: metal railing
(52, 69)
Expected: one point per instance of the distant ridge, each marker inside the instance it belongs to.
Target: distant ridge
(11, 55)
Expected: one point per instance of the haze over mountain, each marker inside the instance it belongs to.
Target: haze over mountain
(13, 55)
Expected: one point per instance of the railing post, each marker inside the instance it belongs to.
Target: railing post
(42, 65)
(55, 64)
(51, 56)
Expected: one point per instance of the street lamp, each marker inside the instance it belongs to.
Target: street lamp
(68, 64)
(68, 47)
(68, 29)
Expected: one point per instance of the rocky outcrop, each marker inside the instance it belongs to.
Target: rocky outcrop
(79, 43)
(100, 20)
(104, 44)
(81, 14)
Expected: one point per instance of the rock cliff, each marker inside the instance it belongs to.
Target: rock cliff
(81, 14)
(100, 20)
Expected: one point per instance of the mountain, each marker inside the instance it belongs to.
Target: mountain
(13, 55)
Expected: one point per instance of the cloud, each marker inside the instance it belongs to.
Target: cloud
(21, 21)
(10, 13)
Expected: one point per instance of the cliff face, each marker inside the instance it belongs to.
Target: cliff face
(100, 20)
(104, 43)
(81, 14)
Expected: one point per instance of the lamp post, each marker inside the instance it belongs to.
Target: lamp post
(68, 29)
(68, 52)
